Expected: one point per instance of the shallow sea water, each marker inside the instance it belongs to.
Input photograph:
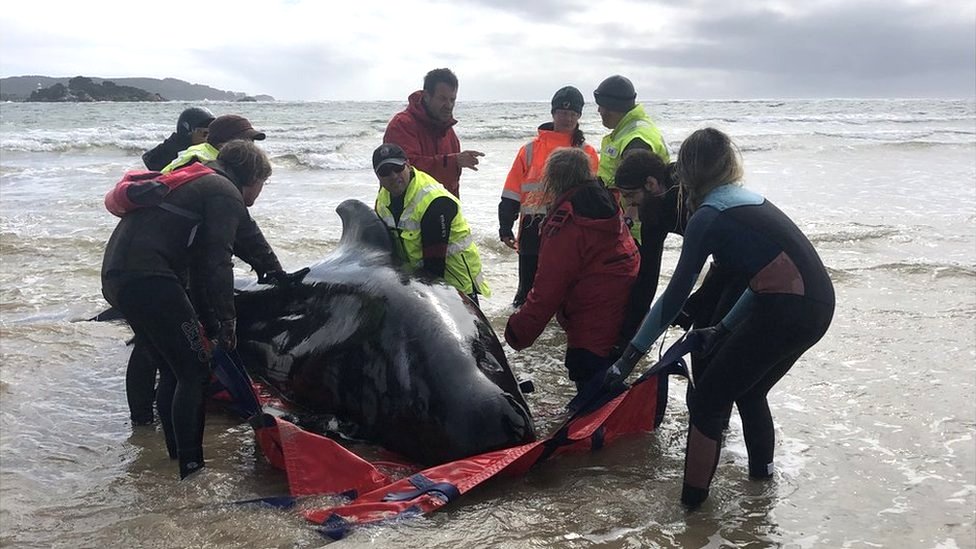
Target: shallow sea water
(875, 425)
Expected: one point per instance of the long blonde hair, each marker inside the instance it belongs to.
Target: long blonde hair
(566, 167)
(707, 159)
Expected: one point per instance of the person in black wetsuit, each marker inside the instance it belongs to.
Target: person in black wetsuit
(146, 259)
(786, 308)
(191, 129)
(647, 183)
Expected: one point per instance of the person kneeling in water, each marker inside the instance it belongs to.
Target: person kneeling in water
(588, 262)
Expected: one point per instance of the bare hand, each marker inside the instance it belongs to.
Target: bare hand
(510, 242)
(469, 159)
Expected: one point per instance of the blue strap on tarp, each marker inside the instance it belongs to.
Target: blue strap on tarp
(229, 369)
(444, 490)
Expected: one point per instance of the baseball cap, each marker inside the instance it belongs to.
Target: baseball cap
(228, 127)
(388, 153)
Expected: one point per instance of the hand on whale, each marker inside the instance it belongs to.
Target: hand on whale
(410, 361)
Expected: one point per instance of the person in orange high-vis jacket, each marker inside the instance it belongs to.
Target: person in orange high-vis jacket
(523, 197)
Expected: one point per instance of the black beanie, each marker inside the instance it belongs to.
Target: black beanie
(568, 98)
(616, 93)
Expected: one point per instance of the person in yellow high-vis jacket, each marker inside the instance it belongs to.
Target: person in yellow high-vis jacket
(222, 130)
(631, 128)
(429, 233)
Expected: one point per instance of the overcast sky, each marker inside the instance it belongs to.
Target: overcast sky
(507, 49)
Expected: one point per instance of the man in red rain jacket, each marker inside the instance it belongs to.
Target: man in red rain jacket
(425, 130)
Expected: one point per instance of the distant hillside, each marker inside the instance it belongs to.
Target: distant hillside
(19, 88)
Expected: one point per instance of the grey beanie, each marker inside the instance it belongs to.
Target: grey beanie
(616, 93)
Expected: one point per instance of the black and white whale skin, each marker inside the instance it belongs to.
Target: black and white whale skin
(411, 362)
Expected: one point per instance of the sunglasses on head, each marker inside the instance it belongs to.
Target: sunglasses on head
(388, 169)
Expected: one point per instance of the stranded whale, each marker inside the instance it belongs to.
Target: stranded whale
(410, 362)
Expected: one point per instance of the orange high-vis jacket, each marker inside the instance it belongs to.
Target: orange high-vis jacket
(524, 182)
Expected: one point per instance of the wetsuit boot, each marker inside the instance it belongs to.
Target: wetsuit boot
(701, 459)
(191, 461)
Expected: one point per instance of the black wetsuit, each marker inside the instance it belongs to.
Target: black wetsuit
(716, 295)
(143, 270)
(785, 310)
(161, 155)
(140, 379)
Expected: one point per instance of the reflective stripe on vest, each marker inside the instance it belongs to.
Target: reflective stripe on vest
(634, 125)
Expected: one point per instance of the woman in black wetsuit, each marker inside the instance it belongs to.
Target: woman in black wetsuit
(646, 182)
(142, 276)
(786, 308)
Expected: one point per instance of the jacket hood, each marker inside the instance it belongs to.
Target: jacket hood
(415, 106)
(592, 205)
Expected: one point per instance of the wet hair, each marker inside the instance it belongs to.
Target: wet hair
(566, 167)
(249, 163)
(635, 167)
(440, 76)
(707, 159)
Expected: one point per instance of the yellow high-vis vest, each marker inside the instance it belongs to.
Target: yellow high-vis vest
(463, 264)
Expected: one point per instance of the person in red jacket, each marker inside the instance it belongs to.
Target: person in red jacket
(425, 130)
(587, 264)
(523, 197)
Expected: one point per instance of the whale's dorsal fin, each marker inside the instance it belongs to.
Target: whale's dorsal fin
(362, 228)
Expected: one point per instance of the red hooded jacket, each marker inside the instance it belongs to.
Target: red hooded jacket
(588, 262)
(430, 145)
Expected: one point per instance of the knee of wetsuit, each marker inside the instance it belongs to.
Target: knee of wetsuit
(708, 419)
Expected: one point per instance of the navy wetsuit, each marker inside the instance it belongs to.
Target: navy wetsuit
(785, 310)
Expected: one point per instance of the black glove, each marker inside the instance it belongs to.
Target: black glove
(227, 334)
(211, 328)
(684, 320)
(281, 278)
(623, 366)
(709, 339)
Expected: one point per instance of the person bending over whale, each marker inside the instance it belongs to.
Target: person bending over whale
(646, 183)
(785, 310)
(429, 233)
(144, 261)
(588, 262)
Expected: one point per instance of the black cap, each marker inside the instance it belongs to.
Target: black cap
(388, 153)
(616, 93)
(568, 98)
(193, 118)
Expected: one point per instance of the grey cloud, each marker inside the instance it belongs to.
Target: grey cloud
(848, 50)
(546, 11)
(289, 73)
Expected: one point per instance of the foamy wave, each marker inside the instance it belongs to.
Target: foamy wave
(856, 233)
(331, 160)
(933, 269)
